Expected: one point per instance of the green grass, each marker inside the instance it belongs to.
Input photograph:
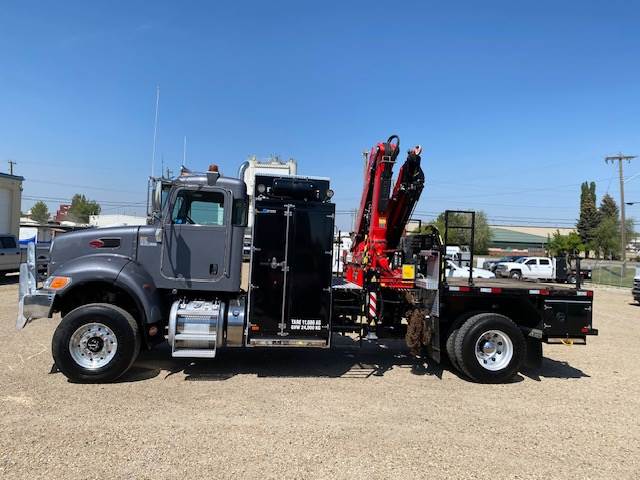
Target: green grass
(612, 275)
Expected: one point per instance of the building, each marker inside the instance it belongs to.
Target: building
(10, 201)
(521, 240)
(61, 213)
(115, 220)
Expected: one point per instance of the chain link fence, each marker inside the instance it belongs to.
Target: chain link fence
(613, 273)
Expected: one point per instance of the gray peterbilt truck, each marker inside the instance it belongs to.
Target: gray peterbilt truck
(179, 279)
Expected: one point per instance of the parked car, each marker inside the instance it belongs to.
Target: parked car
(493, 263)
(454, 270)
(9, 255)
(538, 268)
(636, 286)
(461, 254)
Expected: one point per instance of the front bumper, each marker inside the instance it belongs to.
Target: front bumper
(35, 305)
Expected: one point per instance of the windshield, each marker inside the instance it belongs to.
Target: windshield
(521, 260)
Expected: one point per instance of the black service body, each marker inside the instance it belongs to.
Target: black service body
(290, 279)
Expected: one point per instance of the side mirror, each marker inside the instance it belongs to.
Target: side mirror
(156, 200)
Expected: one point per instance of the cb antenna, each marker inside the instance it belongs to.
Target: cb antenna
(155, 132)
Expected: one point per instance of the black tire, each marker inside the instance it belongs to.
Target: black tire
(465, 347)
(571, 279)
(516, 275)
(451, 340)
(121, 323)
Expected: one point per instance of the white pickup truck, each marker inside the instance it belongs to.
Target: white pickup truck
(10, 255)
(636, 286)
(539, 268)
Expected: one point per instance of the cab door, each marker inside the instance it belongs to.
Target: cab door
(196, 236)
(531, 268)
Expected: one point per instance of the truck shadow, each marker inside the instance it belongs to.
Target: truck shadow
(346, 359)
(551, 368)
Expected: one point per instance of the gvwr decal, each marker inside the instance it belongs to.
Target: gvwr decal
(306, 324)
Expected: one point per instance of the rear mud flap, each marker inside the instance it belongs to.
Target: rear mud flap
(533, 358)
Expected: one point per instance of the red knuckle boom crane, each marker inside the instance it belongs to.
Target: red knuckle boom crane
(383, 216)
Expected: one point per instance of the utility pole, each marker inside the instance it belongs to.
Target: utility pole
(623, 241)
(11, 164)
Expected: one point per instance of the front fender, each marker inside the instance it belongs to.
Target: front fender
(138, 283)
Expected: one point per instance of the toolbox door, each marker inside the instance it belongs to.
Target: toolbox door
(566, 318)
(271, 230)
(308, 309)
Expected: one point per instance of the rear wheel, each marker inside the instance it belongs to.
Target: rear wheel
(571, 279)
(97, 342)
(490, 348)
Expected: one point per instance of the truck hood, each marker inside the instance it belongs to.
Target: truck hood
(120, 241)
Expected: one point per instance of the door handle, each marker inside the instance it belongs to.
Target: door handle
(273, 263)
(213, 269)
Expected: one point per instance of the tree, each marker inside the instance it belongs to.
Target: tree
(606, 238)
(40, 212)
(81, 208)
(589, 216)
(608, 207)
(560, 245)
(482, 234)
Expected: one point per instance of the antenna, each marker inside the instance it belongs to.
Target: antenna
(155, 131)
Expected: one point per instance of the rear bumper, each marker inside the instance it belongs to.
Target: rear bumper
(32, 306)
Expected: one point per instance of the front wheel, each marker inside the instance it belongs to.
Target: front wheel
(490, 348)
(516, 275)
(96, 343)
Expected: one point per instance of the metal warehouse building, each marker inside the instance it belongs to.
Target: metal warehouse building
(10, 199)
(521, 240)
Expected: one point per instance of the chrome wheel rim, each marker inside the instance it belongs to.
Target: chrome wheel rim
(494, 350)
(93, 345)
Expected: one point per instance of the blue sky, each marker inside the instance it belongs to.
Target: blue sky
(515, 103)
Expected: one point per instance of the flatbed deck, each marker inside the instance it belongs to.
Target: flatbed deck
(515, 287)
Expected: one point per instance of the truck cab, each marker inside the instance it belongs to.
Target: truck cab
(9, 254)
(179, 277)
(538, 268)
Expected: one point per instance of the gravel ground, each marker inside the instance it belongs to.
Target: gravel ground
(345, 413)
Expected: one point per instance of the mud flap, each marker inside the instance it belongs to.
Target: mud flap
(533, 358)
(434, 347)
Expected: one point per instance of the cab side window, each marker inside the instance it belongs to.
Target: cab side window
(531, 262)
(198, 208)
(7, 242)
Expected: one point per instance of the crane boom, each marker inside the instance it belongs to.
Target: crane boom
(383, 215)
